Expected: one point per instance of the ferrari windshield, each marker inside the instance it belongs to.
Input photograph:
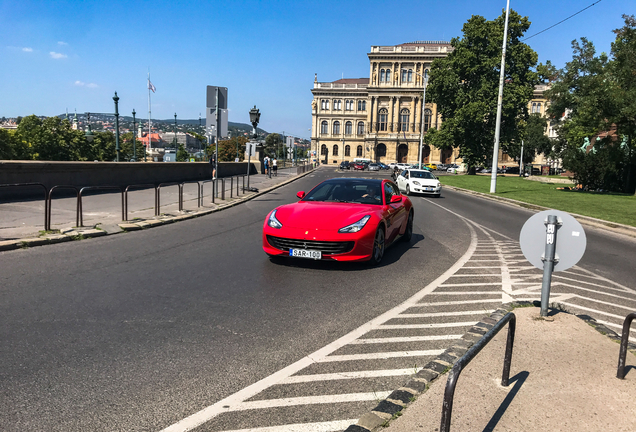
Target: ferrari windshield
(422, 175)
(362, 191)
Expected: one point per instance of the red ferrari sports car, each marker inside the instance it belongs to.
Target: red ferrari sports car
(341, 219)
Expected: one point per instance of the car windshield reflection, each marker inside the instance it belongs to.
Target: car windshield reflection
(422, 175)
(359, 191)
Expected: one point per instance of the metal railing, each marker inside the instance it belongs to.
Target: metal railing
(50, 204)
(46, 202)
(148, 185)
(453, 376)
(622, 356)
(81, 208)
(158, 201)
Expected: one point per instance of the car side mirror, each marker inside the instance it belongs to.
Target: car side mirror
(396, 199)
(301, 194)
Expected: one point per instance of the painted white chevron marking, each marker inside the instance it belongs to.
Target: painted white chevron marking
(309, 400)
(350, 375)
(379, 355)
(331, 426)
(425, 326)
(458, 302)
(405, 339)
(445, 314)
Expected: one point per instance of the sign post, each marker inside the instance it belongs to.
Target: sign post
(538, 241)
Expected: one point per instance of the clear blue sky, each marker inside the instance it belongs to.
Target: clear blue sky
(74, 55)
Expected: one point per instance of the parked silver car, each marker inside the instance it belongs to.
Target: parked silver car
(374, 167)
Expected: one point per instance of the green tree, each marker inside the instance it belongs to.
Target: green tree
(7, 145)
(595, 95)
(465, 87)
(182, 154)
(126, 149)
(273, 142)
(227, 149)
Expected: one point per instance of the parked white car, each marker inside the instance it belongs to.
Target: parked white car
(454, 169)
(412, 181)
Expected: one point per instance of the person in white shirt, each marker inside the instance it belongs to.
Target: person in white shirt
(275, 166)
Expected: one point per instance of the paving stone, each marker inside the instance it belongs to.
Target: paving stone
(129, 227)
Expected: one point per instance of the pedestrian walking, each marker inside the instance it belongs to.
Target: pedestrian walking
(213, 163)
(266, 164)
(275, 167)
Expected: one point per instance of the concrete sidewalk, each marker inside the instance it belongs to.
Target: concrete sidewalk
(562, 378)
(22, 223)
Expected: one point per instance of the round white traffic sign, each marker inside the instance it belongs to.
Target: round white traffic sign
(570, 240)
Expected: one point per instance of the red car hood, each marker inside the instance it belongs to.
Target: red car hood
(322, 215)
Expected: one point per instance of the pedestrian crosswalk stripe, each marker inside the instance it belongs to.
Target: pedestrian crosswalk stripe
(379, 355)
(330, 426)
(350, 375)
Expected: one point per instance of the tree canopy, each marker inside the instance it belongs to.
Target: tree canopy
(593, 103)
(465, 87)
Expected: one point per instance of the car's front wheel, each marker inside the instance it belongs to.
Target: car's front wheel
(408, 190)
(378, 246)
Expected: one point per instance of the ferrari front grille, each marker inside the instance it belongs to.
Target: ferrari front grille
(326, 247)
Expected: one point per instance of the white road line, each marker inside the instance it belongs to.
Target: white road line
(331, 426)
(426, 326)
(480, 267)
(296, 379)
(471, 284)
(619, 327)
(595, 291)
(309, 400)
(404, 339)
(629, 290)
(618, 317)
(478, 275)
(458, 302)
(489, 260)
(557, 276)
(446, 314)
(451, 293)
(208, 413)
(380, 355)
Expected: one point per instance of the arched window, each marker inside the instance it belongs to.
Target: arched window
(336, 128)
(427, 119)
(349, 105)
(359, 151)
(539, 107)
(380, 151)
(335, 150)
(360, 128)
(323, 149)
(337, 104)
(347, 150)
(404, 75)
(405, 115)
(410, 77)
(348, 128)
(534, 107)
(381, 75)
(388, 75)
(324, 127)
(324, 104)
(383, 116)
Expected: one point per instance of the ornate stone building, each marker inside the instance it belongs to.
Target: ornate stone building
(379, 118)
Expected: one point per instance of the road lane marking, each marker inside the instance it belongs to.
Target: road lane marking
(380, 355)
(309, 400)
(296, 379)
(331, 426)
(426, 326)
(404, 339)
(206, 414)
(451, 303)
(446, 314)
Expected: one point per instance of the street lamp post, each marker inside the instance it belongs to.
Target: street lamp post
(116, 99)
(175, 137)
(255, 117)
(134, 138)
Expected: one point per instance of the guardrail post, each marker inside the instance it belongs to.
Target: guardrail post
(231, 186)
(213, 190)
(622, 356)
(453, 375)
(223, 189)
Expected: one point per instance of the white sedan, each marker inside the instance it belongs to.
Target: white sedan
(419, 181)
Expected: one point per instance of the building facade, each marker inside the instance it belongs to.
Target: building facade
(380, 118)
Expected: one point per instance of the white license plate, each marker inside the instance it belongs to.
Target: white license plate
(305, 253)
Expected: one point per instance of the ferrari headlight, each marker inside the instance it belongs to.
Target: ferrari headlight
(356, 226)
(416, 183)
(273, 222)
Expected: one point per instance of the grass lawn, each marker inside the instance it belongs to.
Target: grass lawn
(618, 208)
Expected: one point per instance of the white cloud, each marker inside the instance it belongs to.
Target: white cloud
(83, 84)
(62, 43)
(57, 56)
(27, 49)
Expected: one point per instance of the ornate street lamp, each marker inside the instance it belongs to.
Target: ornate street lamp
(90, 136)
(255, 117)
(134, 138)
(175, 137)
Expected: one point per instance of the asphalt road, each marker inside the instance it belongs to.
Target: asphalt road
(141, 330)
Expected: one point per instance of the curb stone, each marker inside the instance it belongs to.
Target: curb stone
(76, 233)
(616, 227)
(380, 416)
